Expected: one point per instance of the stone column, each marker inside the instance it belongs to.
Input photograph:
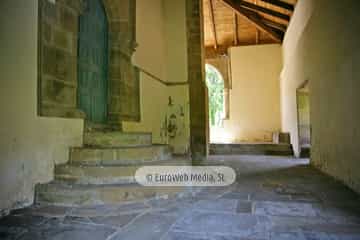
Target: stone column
(197, 87)
(124, 101)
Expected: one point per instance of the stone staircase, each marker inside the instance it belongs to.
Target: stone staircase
(102, 171)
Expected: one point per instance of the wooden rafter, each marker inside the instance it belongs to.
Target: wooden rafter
(263, 10)
(257, 36)
(273, 24)
(254, 18)
(281, 4)
(213, 26)
(236, 29)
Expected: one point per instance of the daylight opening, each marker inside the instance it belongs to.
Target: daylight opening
(215, 84)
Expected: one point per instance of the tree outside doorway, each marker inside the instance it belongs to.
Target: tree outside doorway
(215, 84)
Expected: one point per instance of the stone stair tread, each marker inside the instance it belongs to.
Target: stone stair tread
(120, 147)
(65, 194)
(69, 186)
(119, 156)
(110, 131)
(95, 174)
(137, 163)
(116, 139)
(103, 175)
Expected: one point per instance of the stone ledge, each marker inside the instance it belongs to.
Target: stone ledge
(51, 111)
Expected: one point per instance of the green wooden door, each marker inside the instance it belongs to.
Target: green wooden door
(93, 61)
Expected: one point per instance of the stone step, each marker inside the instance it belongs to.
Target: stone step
(62, 194)
(95, 175)
(116, 139)
(103, 175)
(252, 149)
(119, 156)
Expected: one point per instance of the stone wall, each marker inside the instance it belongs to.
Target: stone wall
(196, 76)
(322, 46)
(255, 94)
(30, 145)
(124, 77)
(58, 37)
(58, 29)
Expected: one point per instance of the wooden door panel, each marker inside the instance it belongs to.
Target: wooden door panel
(93, 61)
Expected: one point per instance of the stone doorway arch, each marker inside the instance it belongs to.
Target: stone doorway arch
(58, 53)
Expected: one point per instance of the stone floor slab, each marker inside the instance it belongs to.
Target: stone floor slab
(242, 225)
(285, 209)
(269, 196)
(273, 199)
(336, 214)
(237, 195)
(93, 211)
(288, 224)
(219, 205)
(288, 236)
(327, 236)
(46, 211)
(76, 220)
(22, 221)
(11, 233)
(66, 232)
(148, 226)
(114, 221)
(134, 207)
(244, 207)
(184, 236)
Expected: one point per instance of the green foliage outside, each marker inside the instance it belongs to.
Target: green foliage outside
(215, 86)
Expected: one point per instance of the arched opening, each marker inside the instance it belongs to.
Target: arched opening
(215, 85)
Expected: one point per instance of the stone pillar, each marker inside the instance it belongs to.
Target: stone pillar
(124, 101)
(58, 30)
(197, 87)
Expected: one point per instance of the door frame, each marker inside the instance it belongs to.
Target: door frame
(301, 86)
(88, 122)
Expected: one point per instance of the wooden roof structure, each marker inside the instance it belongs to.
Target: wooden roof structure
(244, 22)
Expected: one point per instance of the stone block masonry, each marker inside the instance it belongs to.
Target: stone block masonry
(197, 88)
(58, 60)
(58, 28)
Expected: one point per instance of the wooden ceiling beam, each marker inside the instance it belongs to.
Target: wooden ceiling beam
(258, 32)
(263, 10)
(254, 18)
(281, 4)
(273, 24)
(236, 29)
(213, 26)
(210, 52)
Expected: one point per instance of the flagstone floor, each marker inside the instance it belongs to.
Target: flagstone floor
(274, 198)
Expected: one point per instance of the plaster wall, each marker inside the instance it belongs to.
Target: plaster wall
(255, 94)
(327, 54)
(150, 37)
(161, 36)
(176, 41)
(30, 146)
(292, 75)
